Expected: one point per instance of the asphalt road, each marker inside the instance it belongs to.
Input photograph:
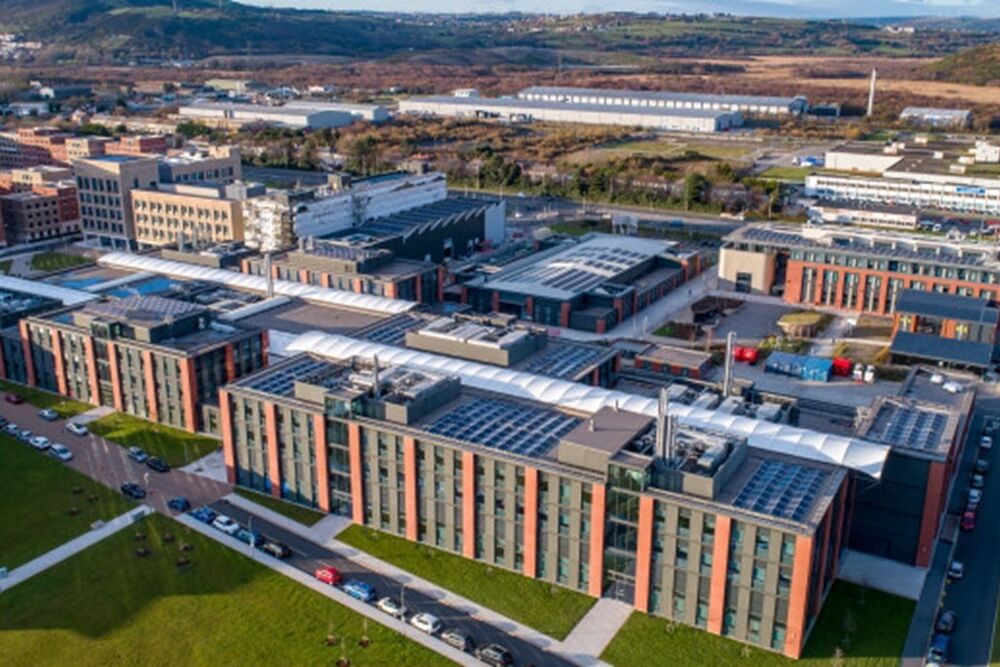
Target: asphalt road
(974, 597)
(308, 556)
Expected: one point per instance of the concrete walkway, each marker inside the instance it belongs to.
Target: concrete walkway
(333, 593)
(92, 415)
(882, 574)
(596, 630)
(211, 466)
(72, 547)
(319, 534)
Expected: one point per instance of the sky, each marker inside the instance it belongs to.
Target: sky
(785, 8)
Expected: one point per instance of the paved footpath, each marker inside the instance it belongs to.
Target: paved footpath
(73, 547)
(320, 535)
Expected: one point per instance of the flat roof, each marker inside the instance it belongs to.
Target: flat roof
(947, 306)
(298, 317)
(935, 348)
(517, 104)
(935, 111)
(564, 359)
(675, 356)
(149, 310)
(413, 219)
(904, 423)
(760, 100)
(579, 268)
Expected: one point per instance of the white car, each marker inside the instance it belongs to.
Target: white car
(391, 607)
(425, 622)
(937, 378)
(952, 387)
(39, 442)
(77, 429)
(61, 452)
(12, 429)
(226, 525)
(986, 442)
(956, 570)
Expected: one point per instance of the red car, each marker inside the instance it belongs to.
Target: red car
(328, 575)
(968, 520)
(14, 398)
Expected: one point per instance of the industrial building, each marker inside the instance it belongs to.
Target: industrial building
(746, 104)
(524, 110)
(690, 524)
(851, 269)
(937, 118)
(863, 214)
(594, 283)
(307, 116)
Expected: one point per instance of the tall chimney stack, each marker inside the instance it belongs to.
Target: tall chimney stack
(727, 370)
(871, 92)
(661, 425)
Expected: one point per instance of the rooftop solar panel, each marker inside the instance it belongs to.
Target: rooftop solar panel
(908, 426)
(281, 380)
(781, 489)
(563, 361)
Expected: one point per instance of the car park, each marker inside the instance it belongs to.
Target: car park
(133, 491)
(39, 442)
(14, 399)
(977, 482)
(328, 575)
(458, 639)
(425, 622)
(226, 525)
(275, 549)
(157, 464)
(77, 429)
(48, 414)
(982, 466)
(956, 570)
(137, 455)
(946, 622)
(359, 590)
(204, 514)
(391, 607)
(968, 520)
(60, 452)
(178, 504)
(495, 655)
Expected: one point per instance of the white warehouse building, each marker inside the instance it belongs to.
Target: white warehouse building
(373, 113)
(747, 104)
(518, 110)
(234, 115)
(945, 194)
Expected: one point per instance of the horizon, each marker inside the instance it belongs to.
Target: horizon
(793, 9)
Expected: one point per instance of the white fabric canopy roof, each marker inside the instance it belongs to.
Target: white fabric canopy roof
(68, 296)
(860, 455)
(236, 280)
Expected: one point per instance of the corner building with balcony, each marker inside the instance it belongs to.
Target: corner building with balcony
(683, 523)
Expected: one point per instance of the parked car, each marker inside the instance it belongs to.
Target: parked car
(179, 504)
(275, 549)
(391, 607)
(359, 590)
(977, 482)
(986, 442)
(137, 455)
(133, 491)
(425, 622)
(946, 622)
(14, 399)
(495, 655)
(12, 429)
(982, 466)
(968, 520)
(939, 648)
(3, 421)
(247, 537)
(39, 442)
(77, 429)
(25, 434)
(157, 464)
(61, 452)
(937, 378)
(458, 639)
(226, 525)
(956, 570)
(204, 514)
(328, 575)
(952, 387)
(975, 497)
(49, 415)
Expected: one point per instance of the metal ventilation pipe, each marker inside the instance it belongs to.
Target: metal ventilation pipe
(727, 370)
(661, 425)
(269, 275)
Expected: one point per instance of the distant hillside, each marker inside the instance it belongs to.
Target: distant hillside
(979, 66)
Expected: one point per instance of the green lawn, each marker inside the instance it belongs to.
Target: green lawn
(303, 515)
(876, 624)
(65, 407)
(550, 609)
(796, 174)
(36, 496)
(176, 447)
(107, 606)
(5, 266)
(56, 261)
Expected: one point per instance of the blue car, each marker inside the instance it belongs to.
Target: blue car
(204, 514)
(245, 536)
(179, 504)
(359, 590)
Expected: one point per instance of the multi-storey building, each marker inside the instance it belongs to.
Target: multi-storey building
(218, 164)
(853, 270)
(931, 327)
(38, 203)
(683, 523)
(31, 146)
(105, 184)
(158, 358)
(140, 144)
(203, 212)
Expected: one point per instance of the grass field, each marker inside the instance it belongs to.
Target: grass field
(36, 499)
(106, 606)
(303, 515)
(56, 261)
(173, 445)
(795, 174)
(876, 624)
(722, 150)
(64, 407)
(548, 608)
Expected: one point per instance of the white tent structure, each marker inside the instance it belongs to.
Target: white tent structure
(325, 295)
(68, 296)
(860, 455)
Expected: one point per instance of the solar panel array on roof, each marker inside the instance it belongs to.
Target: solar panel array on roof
(563, 361)
(148, 307)
(781, 489)
(908, 426)
(281, 381)
(393, 331)
(436, 213)
(341, 251)
(505, 425)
